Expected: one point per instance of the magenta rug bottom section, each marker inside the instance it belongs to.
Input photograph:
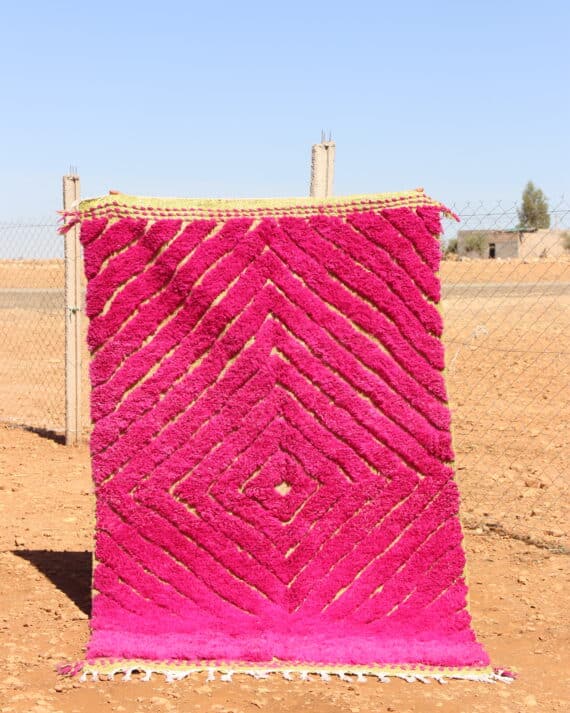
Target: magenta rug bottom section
(214, 645)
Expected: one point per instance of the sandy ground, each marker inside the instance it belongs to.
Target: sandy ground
(507, 347)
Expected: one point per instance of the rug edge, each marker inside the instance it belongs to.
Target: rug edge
(118, 205)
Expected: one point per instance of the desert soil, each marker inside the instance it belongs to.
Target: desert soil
(507, 345)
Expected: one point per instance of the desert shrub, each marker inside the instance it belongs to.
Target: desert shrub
(451, 247)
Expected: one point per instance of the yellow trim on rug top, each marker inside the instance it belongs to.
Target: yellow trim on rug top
(118, 205)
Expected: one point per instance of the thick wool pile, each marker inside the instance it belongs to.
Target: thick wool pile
(271, 439)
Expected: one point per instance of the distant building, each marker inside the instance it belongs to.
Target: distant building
(522, 244)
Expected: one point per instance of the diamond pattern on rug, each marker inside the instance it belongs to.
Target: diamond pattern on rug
(271, 444)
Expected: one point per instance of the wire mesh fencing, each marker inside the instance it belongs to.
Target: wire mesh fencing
(506, 308)
(32, 324)
(507, 338)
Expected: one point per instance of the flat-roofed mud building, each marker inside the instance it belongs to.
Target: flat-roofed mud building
(522, 244)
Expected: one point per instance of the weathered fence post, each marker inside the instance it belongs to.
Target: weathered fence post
(71, 192)
(322, 169)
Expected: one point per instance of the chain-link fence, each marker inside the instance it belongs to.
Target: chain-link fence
(507, 337)
(32, 324)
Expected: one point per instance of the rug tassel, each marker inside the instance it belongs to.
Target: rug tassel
(71, 217)
(258, 674)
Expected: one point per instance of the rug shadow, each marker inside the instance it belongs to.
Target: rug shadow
(46, 433)
(69, 571)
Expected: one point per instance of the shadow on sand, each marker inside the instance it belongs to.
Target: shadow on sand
(46, 433)
(69, 571)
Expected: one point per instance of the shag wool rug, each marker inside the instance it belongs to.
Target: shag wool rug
(271, 440)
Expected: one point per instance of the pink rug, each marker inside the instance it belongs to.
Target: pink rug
(271, 445)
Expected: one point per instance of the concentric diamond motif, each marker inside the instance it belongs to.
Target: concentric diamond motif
(281, 487)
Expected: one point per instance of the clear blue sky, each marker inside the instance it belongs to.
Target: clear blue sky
(468, 99)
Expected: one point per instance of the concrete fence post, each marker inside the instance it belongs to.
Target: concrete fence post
(322, 169)
(71, 193)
